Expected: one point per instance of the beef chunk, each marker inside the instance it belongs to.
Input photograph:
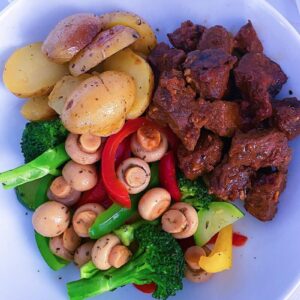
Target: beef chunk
(216, 37)
(246, 40)
(258, 77)
(230, 182)
(176, 101)
(262, 200)
(187, 36)
(259, 149)
(223, 117)
(207, 154)
(286, 116)
(208, 72)
(163, 58)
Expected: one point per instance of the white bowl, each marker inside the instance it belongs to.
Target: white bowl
(268, 267)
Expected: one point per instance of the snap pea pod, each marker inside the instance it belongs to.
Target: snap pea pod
(116, 215)
(46, 163)
(53, 261)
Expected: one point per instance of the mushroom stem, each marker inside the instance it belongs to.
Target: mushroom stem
(60, 188)
(173, 221)
(119, 256)
(148, 137)
(135, 176)
(89, 143)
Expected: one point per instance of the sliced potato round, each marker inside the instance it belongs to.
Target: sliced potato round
(147, 40)
(134, 65)
(28, 72)
(106, 43)
(62, 89)
(99, 104)
(71, 35)
(37, 109)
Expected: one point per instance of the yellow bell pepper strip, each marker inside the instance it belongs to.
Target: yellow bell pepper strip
(220, 258)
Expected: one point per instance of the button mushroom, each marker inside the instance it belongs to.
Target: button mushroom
(173, 221)
(196, 275)
(119, 256)
(71, 240)
(192, 256)
(84, 218)
(134, 174)
(80, 177)
(154, 203)
(83, 254)
(56, 246)
(62, 192)
(149, 144)
(102, 249)
(83, 149)
(51, 219)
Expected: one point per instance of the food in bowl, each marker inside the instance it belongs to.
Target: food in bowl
(134, 151)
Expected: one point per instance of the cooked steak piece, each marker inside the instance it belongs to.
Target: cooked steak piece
(216, 37)
(187, 36)
(258, 78)
(262, 200)
(163, 58)
(208, 72)
(207, 154)
(176, 101)
(286, 116)
(246, 40)
(259, 149)
(230, 182)
(223, 117)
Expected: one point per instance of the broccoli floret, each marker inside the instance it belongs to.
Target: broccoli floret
(195, 192)
(159, 259)
(40, 136)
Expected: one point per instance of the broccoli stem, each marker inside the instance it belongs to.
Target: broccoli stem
(46, 163)
(88, 270)
(109, 280)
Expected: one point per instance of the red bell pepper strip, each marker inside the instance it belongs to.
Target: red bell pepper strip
(113, 185)
(146, 288)
(123, 151)
(238, 239)
(167, 175)
(96, 195)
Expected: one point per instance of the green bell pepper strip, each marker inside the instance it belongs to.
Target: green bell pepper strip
(116, 215)
(46, 163)
(53, 261)
(33, 194)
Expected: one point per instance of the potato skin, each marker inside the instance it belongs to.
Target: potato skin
(37, 109)
(62, 89)
(106, 43)
(99, 104)
(71, 35)
(129, 62)
(28, 72)
(147, 40)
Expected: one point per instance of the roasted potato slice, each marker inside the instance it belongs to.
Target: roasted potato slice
(99, 104)
(37, 109)
(147, 40)
(62, 89)
(28, 72)
(71, 35)
(134, 65)
(106, 43)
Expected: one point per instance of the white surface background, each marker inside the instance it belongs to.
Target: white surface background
(288, 8)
